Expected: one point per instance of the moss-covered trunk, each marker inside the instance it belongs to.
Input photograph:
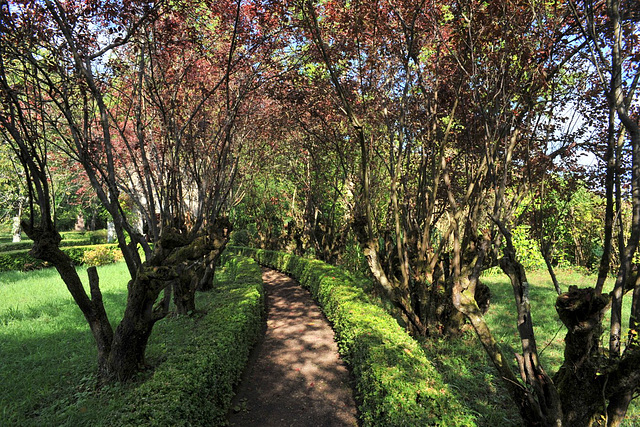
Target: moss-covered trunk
(196, 263)
(127, 356)
(579, 382)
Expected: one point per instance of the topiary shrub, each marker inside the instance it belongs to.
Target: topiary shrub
(97, 237)
(68, 239)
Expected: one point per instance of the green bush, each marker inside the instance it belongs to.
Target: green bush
(18, 246)
(21, 260)
(194, 386)
(396, 384)
(97, 237)
(101, 255)
(527, 249)
(239, 238)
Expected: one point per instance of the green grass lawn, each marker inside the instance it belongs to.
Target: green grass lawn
(48, 355)
(466, 367)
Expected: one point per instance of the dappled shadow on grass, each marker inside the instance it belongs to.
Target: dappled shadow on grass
(467, 370)
(465, 366)
(62, 312)
(48, 378)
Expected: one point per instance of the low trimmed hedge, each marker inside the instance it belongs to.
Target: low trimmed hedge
(194, 385)
(26, 244)
(69, 238)
(396, 384)
(21, 260)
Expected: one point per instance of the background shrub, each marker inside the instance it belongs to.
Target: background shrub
(101, 255)
(21, 260)
(240, 238)
(97, 237)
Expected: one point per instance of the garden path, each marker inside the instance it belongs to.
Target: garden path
(295, 376)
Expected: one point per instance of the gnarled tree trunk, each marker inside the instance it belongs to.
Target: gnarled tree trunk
(141, 313)
(196, 263)
(46, 247)
(579, 382)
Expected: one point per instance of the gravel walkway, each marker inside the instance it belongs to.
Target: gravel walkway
(295, 376)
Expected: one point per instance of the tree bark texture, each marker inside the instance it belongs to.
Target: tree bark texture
(46, 247)
(197, 260)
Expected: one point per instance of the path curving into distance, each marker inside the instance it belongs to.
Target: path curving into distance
(295, 376)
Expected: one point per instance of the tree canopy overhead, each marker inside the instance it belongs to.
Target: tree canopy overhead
(408, 139)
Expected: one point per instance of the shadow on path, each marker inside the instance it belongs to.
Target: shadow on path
(295, 376)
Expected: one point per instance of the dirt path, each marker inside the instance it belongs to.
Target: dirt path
(294, 377)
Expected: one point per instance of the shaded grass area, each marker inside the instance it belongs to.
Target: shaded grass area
(466, 367)
(48, 356)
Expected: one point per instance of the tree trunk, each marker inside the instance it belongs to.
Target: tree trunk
(132, 334)
(546, 255)
(579, 384)
(195, 260)
(206, 280)
(46, 248)
(184, 292)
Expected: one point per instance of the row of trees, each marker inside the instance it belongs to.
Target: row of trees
(148, 99)
(418, 132)
(425, 132)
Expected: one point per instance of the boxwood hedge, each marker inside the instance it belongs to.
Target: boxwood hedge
(396, 385)
(26, 244)
(194, 385)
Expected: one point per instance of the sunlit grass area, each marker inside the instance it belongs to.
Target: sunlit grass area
(466, 367)
(48, 355)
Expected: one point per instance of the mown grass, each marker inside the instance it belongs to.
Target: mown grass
(48, 356)
(465, 366)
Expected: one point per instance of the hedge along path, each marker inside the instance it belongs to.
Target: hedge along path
(396, 384)
(295, 376)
